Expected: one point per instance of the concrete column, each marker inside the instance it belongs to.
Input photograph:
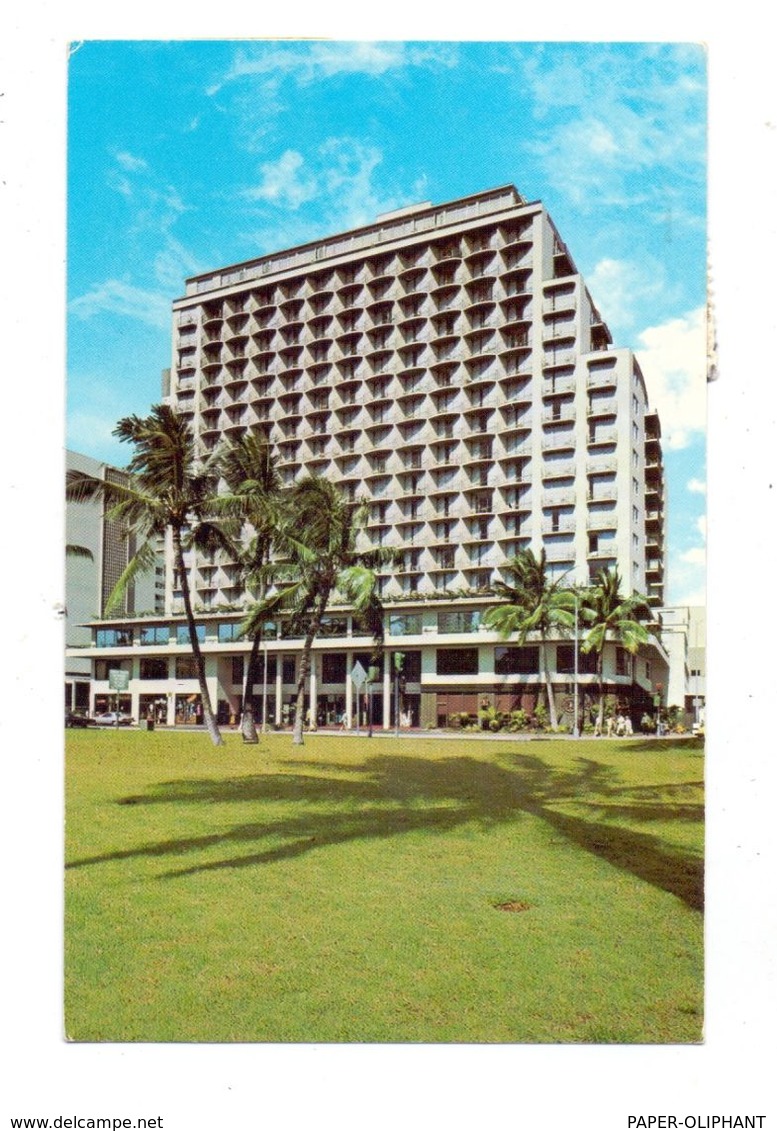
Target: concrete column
(313, 693)
(278, 688)
(348, 691)
(387, 671)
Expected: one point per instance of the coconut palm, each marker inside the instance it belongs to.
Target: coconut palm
(533, 603)
(615, 618)
(165, 489)
(318, 542)
(254, 497)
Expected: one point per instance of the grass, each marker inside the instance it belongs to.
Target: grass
(348, 890)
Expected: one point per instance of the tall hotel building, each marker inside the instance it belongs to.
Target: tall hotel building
(448, 364)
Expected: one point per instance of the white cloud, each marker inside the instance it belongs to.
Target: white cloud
(673, 357)
(173, 264)
(118, 176)
(696, 486)
(119, 183)
(697, 555)
(618, 122)
(312, 62)
(688, 569)
(92, 432)
(339, 176)
(130, 163)
(349, 167)
(117, 297)
(621, 289)
(285, 181)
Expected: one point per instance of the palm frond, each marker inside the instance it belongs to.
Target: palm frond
(73, 551)
(142, 561)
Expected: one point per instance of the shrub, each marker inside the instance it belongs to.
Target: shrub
(517, 720)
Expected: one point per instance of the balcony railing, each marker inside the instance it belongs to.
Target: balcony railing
(602, 380)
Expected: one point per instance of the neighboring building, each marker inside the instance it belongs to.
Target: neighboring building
(90, 581)
(683, 635)
(449, 365)
(696, 693)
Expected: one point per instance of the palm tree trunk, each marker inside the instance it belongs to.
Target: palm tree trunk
(304, 667)
(199, 663)
(549, 687)
(600, 679)
(248, 722)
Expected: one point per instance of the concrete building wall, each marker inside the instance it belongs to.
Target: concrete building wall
(448, 365)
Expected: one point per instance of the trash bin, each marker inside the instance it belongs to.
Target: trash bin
(146, 724)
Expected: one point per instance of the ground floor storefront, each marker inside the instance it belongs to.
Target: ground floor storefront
(437, 675)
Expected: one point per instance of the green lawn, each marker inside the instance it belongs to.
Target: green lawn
(348, 890)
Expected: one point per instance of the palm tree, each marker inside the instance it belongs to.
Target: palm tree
(613, 617)
(254, 497)
(165, 489)
(318, 542)
(533, 604)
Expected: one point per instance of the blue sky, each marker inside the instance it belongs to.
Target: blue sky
(189, 155)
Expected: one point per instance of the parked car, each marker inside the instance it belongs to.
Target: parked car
(109, 719)
(73, 719)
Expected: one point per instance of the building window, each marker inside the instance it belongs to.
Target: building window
(182, 633)
(333, 666)
(153, 667)
(113, 637)
(405, 624)
(155, 634)
(185, 667)
(229, 632)
(103, 667)
(457, 661)
(288, 670)
(565, 660)
(459, 620)
(411, 667)
(517, 661)
(238, 670)
(334, 626)
(622, 662)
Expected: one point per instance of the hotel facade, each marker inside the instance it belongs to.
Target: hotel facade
(447, 365)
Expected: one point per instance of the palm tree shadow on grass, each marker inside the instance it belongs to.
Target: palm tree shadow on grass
(389, 796)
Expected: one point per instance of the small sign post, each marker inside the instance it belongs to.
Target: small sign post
(358, 677)
(118, 680)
